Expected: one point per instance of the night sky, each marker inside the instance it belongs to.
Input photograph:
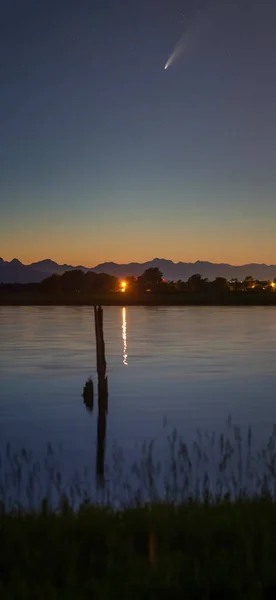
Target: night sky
(105, 155)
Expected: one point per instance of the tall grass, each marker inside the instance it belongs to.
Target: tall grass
(198, 525)
(212, 469)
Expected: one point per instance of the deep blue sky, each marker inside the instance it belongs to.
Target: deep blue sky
(106, 156)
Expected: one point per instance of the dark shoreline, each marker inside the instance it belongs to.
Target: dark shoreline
(118, 299)
(150, 552)
(209, 544)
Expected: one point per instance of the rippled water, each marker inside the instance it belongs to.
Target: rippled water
(192, 366)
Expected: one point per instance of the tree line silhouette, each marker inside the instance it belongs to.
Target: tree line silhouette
(151, 281)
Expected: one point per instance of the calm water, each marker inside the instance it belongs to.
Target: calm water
(193, 366)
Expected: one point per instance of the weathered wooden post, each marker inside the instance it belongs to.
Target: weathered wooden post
(102, 393)
(100, 350)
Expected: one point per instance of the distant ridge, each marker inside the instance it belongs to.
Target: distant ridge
(48, 266)
(182, 270)
(16, 272)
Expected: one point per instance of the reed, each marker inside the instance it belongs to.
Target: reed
(199, 525)
(212, 469)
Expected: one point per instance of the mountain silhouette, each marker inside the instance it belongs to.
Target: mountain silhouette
(16, 272)
(182, 270)
(49, 267)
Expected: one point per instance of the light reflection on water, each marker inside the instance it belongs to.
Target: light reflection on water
(193, 366)
(124, 335)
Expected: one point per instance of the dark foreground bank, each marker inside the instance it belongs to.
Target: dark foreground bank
(194, 551)
(25, 298)
(209, 532)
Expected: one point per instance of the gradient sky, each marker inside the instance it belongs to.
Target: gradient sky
(104, 155)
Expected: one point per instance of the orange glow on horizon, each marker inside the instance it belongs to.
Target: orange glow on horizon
(78, 238)
(33, 246)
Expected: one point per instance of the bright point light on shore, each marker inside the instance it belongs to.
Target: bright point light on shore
(123, 286)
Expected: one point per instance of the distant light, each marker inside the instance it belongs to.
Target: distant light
(123, 286)
(273, 284)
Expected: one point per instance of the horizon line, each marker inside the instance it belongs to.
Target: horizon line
(139, 263)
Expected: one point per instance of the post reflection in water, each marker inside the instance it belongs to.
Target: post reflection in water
(124, 336)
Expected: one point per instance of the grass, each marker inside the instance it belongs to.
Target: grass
(201, 525)
(213, 467)
(193, 551)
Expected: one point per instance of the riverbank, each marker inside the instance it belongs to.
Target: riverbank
(193, 551)
(26, 298)
(210, 534)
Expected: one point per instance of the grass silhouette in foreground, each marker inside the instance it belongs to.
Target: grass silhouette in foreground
(201, 525)
(193, 551)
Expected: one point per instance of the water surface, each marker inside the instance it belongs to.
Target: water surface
(191, 366)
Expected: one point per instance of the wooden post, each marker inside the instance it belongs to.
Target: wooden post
(100, 350)
(102, 393)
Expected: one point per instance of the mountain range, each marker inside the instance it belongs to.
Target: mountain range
(16, 272)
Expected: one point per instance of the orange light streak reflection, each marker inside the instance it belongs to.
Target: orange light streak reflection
(124, 336)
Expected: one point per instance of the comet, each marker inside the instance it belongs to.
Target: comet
(178, 50)
(187, 42)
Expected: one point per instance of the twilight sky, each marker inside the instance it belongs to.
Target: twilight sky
(105, 155)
